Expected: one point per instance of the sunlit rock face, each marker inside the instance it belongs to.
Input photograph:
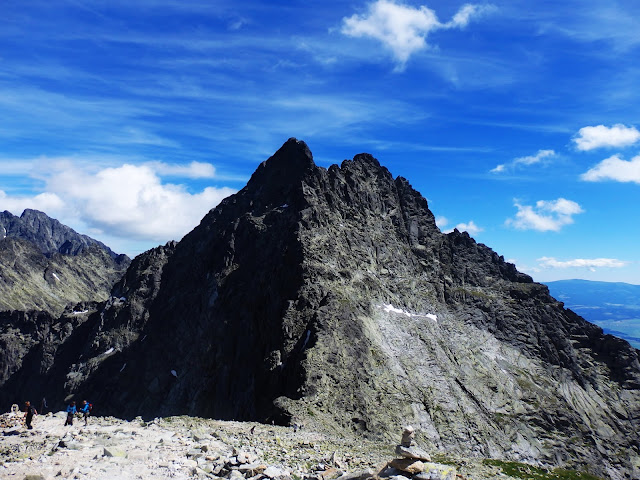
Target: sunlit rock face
(45, 265)
(330, 298)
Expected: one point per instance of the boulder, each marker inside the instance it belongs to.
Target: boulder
(275, 472)
(412, 452)
(358, 475)
(436, 471)
(329, 474)
(236, 475)
(114, 452)
(408, 465)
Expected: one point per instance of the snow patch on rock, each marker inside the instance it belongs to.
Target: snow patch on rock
(391, 309)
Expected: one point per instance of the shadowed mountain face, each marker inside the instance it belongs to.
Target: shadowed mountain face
(45, 265)
(330, 298)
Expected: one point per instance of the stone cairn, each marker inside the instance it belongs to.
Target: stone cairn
(12, 420)
(415, 463)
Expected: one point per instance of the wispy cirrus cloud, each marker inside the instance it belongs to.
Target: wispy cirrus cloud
(402, 28)
(539, 157)
(590, 263)
(190, 170)
(614, 23)
(16, 167)
(546, 215)
(614, 168)
(590, 138)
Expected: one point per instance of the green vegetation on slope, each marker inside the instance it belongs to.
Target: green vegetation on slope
(530, 472)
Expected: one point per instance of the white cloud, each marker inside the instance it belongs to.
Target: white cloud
(442, 221)
(590, 263)
(532, 159)
(463, 17)
(471, 228)
(589, 138)
(614, 168)
(549, 215)
(131, 200)
(192, 170)
(45, 202)
(128, 200)
(528, 160)
(402, 28)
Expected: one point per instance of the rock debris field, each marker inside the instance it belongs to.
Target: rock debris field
(187, 447)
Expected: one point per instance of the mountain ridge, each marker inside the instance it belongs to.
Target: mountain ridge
(47, 233)
(330, 297)
(45, 265)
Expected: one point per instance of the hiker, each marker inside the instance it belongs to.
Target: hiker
(85, 410)
(29, 413)
(71, 411)
(43, 406)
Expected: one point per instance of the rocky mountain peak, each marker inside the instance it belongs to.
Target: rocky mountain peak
(366, 159)
(48, 234)
(329, 297)
(281, 174)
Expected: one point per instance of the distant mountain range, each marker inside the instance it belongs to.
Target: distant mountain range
(47, 266)
(48, 234)
(613, 306)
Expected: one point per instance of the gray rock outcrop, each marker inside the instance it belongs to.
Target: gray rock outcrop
(330, 298)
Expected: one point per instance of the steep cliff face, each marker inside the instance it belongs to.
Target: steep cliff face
(331, 298)
(46, 266)
(42, 355)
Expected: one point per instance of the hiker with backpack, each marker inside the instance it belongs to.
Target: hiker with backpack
(30, 411)
(86, 410)
(71, 411)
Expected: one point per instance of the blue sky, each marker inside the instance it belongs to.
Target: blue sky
(517, 120)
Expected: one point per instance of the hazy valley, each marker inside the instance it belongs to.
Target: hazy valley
(613, 306)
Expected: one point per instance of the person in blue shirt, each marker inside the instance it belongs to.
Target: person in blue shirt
(71, 411)
(86, 406)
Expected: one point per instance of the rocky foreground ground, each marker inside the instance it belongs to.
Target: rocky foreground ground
(186, 447)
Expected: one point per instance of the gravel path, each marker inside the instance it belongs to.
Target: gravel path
(186, 448)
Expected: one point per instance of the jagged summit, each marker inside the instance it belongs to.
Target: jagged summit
(278, 177)
(46, 265)
(289, 164)
(329, 297)
(47, 233)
